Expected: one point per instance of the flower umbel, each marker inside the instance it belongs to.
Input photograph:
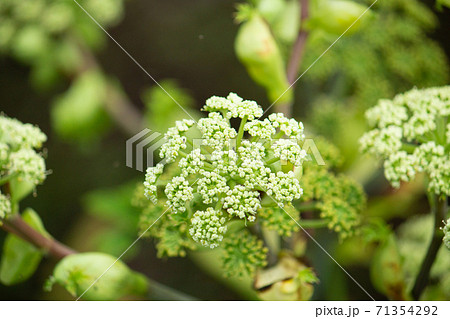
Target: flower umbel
(411, 135)
(227, 175)
(19, 160)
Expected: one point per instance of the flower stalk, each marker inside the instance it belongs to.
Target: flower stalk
(439, 208)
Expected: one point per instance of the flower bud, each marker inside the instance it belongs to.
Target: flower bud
(77, 274)
(271, 9)
(289, 280)
(257, 50)
(336, 16)
(286, 27)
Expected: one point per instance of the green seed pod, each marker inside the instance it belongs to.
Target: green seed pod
(76, 273)
(271, 9)
(287, 25)
(257, 50)
(336, 16)
(386, 270)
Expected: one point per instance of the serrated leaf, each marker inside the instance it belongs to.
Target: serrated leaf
(20, 259)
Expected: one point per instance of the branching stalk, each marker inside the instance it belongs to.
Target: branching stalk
(17, 226)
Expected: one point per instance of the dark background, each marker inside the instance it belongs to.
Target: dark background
(190, 41)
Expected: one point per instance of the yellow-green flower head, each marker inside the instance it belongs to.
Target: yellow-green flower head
(225, 176)
(411, 133)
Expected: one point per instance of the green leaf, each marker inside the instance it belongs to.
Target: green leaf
(79, 114)
(20, 259)
(20, 189)
(386, 270)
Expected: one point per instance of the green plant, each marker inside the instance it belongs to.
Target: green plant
(21, 170)
(244, 190)
(411, 135)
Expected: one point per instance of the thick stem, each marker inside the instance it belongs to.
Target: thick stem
(296, 57)
(307, 206)
(439, 208)
(17, 226)
(299, 45)
(162, 292)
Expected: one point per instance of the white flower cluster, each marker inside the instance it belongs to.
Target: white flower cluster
(216, 131)
(5, 206)
(26, 164)
(290, 127)
(176, 140)
(208, 227)
(18, 135)
(151, 178)
(284, 187)
(211, 185)
(233, 107)
(227, 176)
(242, 202)
(289, 150)
(412, 135)
(262, 129)
(178, 192)
(18, 159)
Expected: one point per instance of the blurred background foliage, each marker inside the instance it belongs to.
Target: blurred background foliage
(60, 71)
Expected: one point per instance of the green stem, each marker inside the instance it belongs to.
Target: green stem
(439, 209)
(241, 132)
(313, 223)
(409, 148)
(17, 226)
(6, 179)
(272, 160)
(158, 291)
(307, 207)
